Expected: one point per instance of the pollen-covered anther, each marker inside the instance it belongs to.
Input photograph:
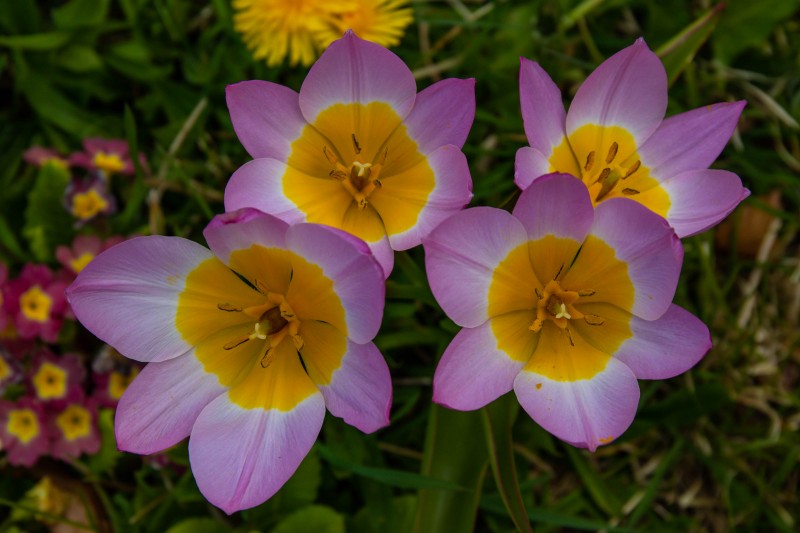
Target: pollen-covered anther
(589, 162)
(612, 152)
(586, 292)
(633, 168)
(594, 320)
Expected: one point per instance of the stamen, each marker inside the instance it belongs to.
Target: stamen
(589, 162)
(587, 292)
(330, 156)
(356, 146)
(228, 307)
(629, 192)
(612, 152)
(236, 342)
(633, 169)
(603, 175)
(538, 293)
(260, 287)
(268, 356)
(377, 183)
(593, 320)
(337, 175)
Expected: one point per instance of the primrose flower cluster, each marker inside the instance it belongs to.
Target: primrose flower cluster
(567, 300)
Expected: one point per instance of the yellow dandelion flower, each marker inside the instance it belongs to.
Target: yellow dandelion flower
(379, 21)
(275, 29)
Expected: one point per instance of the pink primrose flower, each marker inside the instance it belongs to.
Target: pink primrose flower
(247, 343)
(615, 138)
(111, 156)
(89, 197)
(36, 304)
(357, 149)
(23, 431)
(56, 379)
(73, 429)
(84, 248)
(39, 156)
(565, 304)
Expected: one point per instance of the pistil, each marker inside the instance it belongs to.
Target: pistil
(558, 305)
(360, 179)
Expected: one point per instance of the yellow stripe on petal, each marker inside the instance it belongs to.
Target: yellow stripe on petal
(402, 197)
(600, 276)
(230, 365)
(513, 286)
(282, 385)
(323, 351)
(606, 159)
(272, 267)
(607, 327)
(564, 356)
(312, 296)
(513, 335)
(551, 256)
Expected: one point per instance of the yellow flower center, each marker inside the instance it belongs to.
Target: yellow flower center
(557, 305)
(74, 422)
(35, 304)
(606, 159)
(111, 163)
(79, 263)
(86, 205)
(360, 179)
(50, 381)
(118, 383)
(23, 424)
(48, 497)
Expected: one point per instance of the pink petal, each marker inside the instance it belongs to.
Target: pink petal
(442, 114)
(647, 244)
(585, 413)
(128, 295)
(461, 255)
(452, 192)
(266, 117)
(543, 113)
(529, 165)
(259, 184)
(241, 457)
(159, 408)
(629, 89)
(357, 277)
(473, 370)
(558, 205)
(701, 199)
(240, 229)
(666, 347)
(352, 70)
(691, 140)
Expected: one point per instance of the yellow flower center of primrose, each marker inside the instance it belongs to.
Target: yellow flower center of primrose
(111, 163)
(86, 205)
(23, 424)
(35, 304)
(50, 382)
(80, 262)
(118, 383)
(74, 422)
(607, 161)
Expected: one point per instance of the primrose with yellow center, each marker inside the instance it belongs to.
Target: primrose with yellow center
(23, 433)
(564, 303)
(357, 149)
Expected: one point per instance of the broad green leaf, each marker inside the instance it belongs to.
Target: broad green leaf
(80, 14)
(400, 518)
(316, 518)
(748, 23)
(79, 58)
(47, 222)
(498, 419)
(36, 41)
(454, 451)
(679, 51)
(198, 525)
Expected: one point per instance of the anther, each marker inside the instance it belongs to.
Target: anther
(629, 192)
(612, 152)
(633, 169)
(267, 358)
(593, 320)
(538, 293)
(330, 156)
(228, 307)
(236, 342)
(589, 162)
(603, 175)
(377, 183)
(356, 146)
(337, 175)
(587, 292)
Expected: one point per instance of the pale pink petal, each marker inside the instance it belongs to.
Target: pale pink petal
(529, 165)
(629, 89)
(461, 255)
(259, 184)
(690, 140)
(241, 457)
(352, 70)
(585, 413)
(240, 229)
(543, 115)
(666, 347)
(473, 371)
(266, 117)
(442, 114)
(128, 295)
(700, 199)
(358, 279)
(159, 408)
(558, 205)
(451, 193)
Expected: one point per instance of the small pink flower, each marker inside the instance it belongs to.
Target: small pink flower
(84, 248)
(56, 378)
(87, 198)
(110, 386)
(73, 429)
(566, 304)
(36, 304)
(23, 431)
(615, 138)
(40, 156)
(111, 156)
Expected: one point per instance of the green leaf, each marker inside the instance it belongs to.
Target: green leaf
(19, 16)
(198, 525)
(652, 487)
(47, 223)
(301, 490)
(498, 418)
(454, 452)
(52, 106)
(104, 460)
(80, 14)
(316, 518)
(36, 41)
(9, 241)
(598, 489)
(79, 58)
(679, 51)
(746, 23)
(387, 476)
(400, 518)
